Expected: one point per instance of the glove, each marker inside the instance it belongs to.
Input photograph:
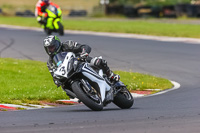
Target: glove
(84, 55)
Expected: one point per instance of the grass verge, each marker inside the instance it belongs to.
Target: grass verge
(26, 81)
(138, 81)
(136, 27)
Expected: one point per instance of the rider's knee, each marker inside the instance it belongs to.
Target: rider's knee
(98, 62)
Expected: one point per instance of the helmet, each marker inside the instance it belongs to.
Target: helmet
(52, 45)
(46, 2)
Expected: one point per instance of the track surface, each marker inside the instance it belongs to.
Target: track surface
(175, 111)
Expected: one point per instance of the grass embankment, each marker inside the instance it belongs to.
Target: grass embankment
(136, 26)
(26, 81)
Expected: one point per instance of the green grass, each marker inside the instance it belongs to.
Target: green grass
(138, 26)
(138, 81)
(26, 81)
(20, 21)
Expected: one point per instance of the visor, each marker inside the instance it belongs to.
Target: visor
(53, 48)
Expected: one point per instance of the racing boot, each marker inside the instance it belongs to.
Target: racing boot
(102, 64)
(113, 77)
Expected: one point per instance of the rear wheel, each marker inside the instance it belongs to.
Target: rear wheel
(90, 98)
(61, 29)
(123, 99)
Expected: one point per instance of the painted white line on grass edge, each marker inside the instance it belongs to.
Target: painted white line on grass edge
(176, 86)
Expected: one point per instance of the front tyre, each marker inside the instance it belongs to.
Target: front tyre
(47, 31)
(91, 100)
(123, 99)
(61, 29)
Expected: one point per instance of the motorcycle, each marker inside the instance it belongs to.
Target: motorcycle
(87, 83)
(53, 23)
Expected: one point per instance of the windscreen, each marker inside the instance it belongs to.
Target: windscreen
(53, 9)
(59, 58)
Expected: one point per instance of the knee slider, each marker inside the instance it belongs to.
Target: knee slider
(95, 61)
(98, 62)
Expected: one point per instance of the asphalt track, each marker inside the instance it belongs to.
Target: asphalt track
(176, 111)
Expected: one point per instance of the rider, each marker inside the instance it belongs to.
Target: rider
(40, 10)
(52, 45)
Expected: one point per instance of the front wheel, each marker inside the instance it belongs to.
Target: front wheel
(47, 31)
(90, 98)
(123, 99)
(61, 29)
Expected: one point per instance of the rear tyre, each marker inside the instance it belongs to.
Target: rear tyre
(86, 98)
(124, 99)
(61, 29)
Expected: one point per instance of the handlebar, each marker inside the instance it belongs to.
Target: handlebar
(83, 59)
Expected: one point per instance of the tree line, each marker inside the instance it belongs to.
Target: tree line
(149, 2)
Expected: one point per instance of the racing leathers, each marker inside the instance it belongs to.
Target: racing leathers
(40, 12)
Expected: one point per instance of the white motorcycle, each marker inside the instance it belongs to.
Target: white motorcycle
(89, 84)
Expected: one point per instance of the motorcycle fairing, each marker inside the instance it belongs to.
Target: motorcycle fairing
(119, 84)
(62, 70)
(53, 23)
(54, 16)
(88, 72)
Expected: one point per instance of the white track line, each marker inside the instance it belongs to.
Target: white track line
(118, 35)
(135, 95)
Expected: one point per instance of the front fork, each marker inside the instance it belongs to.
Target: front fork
(87, 86)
